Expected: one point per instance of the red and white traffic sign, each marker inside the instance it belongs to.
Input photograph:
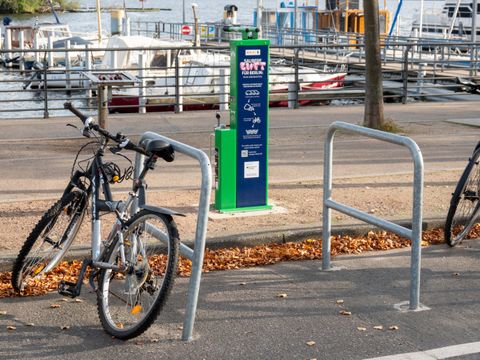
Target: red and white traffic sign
(186, 30)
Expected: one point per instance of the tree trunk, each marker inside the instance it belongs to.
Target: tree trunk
(373, 73)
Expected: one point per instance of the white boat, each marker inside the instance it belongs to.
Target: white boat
(46, 35)
(199, 73)
(454, 21)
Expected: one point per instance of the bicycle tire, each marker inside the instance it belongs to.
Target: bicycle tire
(52, 242)
(122, 299)
(464, 204)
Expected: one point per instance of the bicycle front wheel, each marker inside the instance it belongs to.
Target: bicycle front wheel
(49, 240)
(463, 211)
(130, 298)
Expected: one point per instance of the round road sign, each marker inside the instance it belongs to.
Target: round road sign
(186, 30)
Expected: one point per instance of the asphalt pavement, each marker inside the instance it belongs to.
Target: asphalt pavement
(291, 310)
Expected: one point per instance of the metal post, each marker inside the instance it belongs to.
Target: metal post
(45, 90)
(224, 89)
(420, 31)
(473, 64)
(327, 212)
(35, 46)
(295, 40)
(68, 68)
(88, 67)
(102, 105)
(99, 21)
(405, 75)
(50, 50)
(21, 45)
(197, 255)
(259, 17)
(178, 86)
(183, 13)
(142, 57)
(126, 26)
(8, 46)
(297, 84)
(415, 234)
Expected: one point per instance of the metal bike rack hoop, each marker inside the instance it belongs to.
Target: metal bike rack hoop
(413, 234)
(196, 255)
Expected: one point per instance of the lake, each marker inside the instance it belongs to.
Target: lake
(211, 10)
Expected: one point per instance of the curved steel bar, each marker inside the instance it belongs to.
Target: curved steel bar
(197, 254)
(414, 234)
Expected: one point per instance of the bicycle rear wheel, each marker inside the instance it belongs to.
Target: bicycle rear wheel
(49, 240)
(464, 206)
(130, 301)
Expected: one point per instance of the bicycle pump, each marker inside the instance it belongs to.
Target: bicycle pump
(241, 149)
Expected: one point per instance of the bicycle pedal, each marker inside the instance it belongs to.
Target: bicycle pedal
(69, 289)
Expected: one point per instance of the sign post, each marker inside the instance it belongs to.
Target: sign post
(242, 149)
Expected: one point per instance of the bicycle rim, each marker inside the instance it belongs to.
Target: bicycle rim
(129, 302)
(465, 204)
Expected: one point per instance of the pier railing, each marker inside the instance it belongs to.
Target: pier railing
(35, 83)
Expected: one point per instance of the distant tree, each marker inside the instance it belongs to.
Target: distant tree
(32, 6)
(373, 117)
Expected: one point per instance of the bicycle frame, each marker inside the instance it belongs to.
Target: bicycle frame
(98, 181)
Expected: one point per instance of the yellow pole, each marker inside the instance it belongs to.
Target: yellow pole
(99, 21)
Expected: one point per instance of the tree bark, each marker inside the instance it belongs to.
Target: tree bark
(373, 117)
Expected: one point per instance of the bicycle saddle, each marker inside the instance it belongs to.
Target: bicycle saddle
(162, 149)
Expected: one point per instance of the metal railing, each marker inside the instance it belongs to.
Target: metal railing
(414, 234)
(181, 77)
(197, 253)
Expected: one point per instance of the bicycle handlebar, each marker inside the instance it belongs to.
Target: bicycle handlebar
(122, 141)
(69, 106)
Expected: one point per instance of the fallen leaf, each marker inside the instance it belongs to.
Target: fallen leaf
(340, 301)
(65, 327)
(3, 312)
(361, 328)
(154, 340)
(243, 284)
(345, 312)
(393, 327)
(55, 306)
(11, 327)
(64, 299)
(138, 342)
(78, 300)
(29, 324)
(378, 327)
(282, 295)
(180, 327)
(310, 343)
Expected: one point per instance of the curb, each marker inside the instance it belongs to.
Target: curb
(279, 235)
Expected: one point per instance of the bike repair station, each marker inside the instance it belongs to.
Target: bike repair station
(241, 150)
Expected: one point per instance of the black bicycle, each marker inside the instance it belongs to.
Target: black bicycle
(464, 205)
(133, 270)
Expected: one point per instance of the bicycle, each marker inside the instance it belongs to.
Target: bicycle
(134, 274)
(465, 204)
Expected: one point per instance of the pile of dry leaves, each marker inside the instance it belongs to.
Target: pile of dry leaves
(236, 258)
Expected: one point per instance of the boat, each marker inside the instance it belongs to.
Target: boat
(200, 72)
(41, 36)
(454, 22)
(307, 23)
